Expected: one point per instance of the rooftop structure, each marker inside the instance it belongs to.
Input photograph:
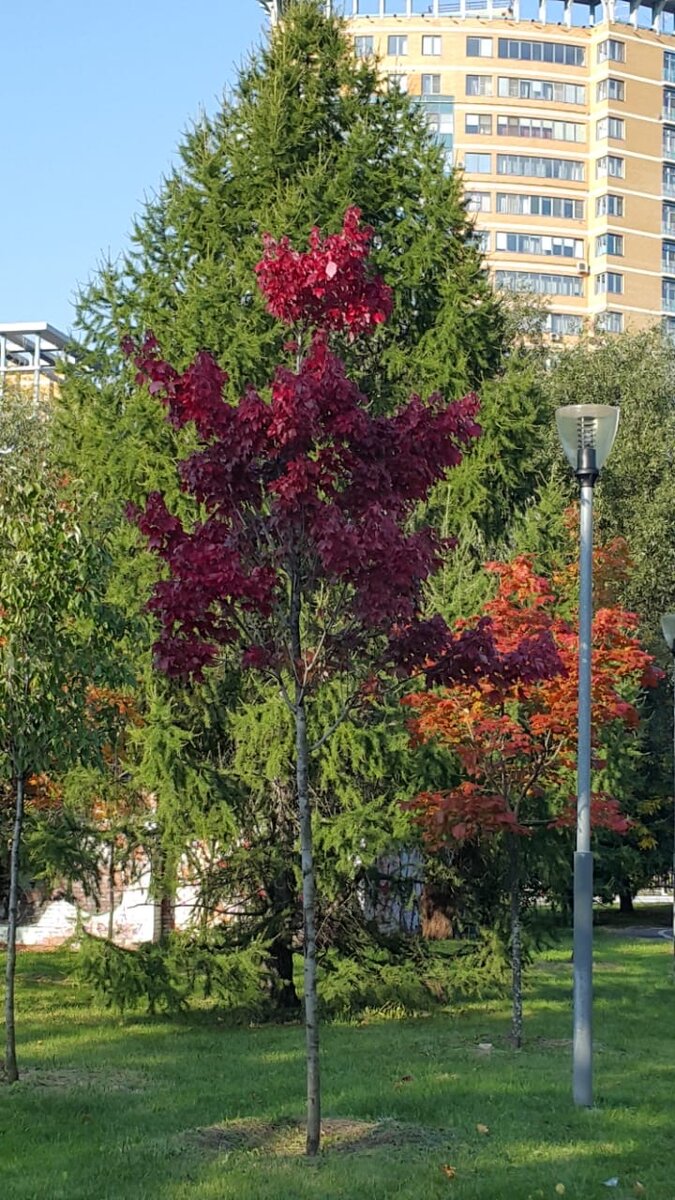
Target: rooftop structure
(32, 355)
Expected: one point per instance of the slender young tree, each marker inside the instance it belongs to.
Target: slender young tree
(54, 631)
(304, 558)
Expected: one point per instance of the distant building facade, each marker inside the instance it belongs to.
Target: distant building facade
(562, 116)
(32, 357)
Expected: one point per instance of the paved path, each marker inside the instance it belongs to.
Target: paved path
(652, 933)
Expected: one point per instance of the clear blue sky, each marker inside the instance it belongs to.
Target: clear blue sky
(94, 96)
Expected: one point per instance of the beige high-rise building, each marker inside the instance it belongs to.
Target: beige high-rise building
(564, 125)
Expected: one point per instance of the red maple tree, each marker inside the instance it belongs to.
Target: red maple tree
(303, 560)
(513, 729)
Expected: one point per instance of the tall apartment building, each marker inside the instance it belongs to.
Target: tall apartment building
(564, 125)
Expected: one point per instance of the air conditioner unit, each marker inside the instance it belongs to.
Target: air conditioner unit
(583, 268)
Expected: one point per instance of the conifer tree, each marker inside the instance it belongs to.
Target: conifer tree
(308, 130)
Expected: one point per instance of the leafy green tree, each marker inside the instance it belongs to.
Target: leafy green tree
(636, 501)
(54, 631)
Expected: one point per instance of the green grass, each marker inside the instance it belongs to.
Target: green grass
(112, 1109)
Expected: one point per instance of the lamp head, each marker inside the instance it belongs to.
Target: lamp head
(587, 433)
(668, 627)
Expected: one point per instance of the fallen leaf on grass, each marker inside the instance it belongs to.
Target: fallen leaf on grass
(404, 1079)
(560, 1189)
(639, 1188)
(613, 1182)
(484, 1129)
(449, 1171)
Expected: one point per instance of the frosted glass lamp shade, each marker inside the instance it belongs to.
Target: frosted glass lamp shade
(668, 627)
(587, 426)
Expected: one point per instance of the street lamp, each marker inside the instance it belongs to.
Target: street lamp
(587, 433)
(668, 627)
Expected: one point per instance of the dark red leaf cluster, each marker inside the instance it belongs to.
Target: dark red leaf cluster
(328, 286)
(308, 480)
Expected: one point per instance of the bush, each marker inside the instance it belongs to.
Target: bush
(164, 975)
(124, 979)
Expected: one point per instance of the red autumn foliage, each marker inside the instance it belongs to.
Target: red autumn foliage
(513, 730)
(308, 482)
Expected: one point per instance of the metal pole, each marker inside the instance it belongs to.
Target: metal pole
(582, 1070)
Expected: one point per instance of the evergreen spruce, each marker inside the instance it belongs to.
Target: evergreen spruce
(308, 130)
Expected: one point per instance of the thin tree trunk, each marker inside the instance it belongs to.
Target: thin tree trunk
(10, 1028)
(626, 901)
(111, 892)
(308, 882)
(516, 941)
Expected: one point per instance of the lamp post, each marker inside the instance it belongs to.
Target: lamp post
(587, 433)
(668, 627)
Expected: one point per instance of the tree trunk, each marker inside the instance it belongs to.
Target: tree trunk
(516, 942)
(10, 1029)
(281, 955)
(111, 892)
(308, 882)
(625, 901)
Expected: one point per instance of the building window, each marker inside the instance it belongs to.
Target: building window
(520, 204)
(431, 44)
(609, 322)
(668, 327)
(540, 283)
(431, 85)
(609, 164)
(540, 127)
(479, 85)
(563, 324)
(609, 206)
(481, 240)
(610, 127)
(478, 123)
(609, 281)
(478, 201)
(364, 46)
(668, 218)
(530, 243)
(668, 257)
(610, 89)
(609, 243)
(669, 141)
(397, 82)
(669, 180)
(541, 89)
(477, 47)
(669, 66)
(397, 45)
(669, 104)
(551, 52)
(478, 164)
(543, 168)
(668, 294)
(611, 51)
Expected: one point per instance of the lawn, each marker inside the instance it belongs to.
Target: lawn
(171, 1109)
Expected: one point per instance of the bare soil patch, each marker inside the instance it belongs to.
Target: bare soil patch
(340, 1135)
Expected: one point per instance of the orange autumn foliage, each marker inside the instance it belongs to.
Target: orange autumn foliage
(515, 739)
